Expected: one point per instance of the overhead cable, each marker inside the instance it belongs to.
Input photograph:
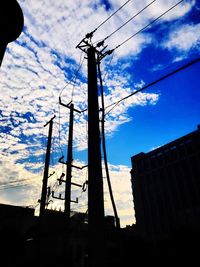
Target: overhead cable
(15, 181)
(130, 20)
(153, 21)
(14, 186)
(75, 75)
(153, 83)
(90, 34)
(104, 149)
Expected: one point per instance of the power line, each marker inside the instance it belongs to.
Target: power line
(134, 16)
(81, 60)
(153, 83)
(153, 21)
(104, 149)
(102, 23)
(14, 186)
(75, 75)
(16, 181)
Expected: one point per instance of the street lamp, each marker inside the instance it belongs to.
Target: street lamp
(11, 24)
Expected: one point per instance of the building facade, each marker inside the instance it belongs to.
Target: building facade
(166, 187)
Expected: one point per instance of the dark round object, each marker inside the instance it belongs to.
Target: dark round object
(11, 21)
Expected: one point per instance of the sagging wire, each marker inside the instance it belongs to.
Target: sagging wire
(89, 35)
(153, 21)
(134, 16)
(114, 105)
(104, 149)
(81, 60)
(75, 74)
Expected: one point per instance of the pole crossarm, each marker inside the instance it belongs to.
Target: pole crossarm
(59, 197)
(68, 105)
(74, 166)
(64, 181)
(50, 120)
(84, 45)
(80, 168)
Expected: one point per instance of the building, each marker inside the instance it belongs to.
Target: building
(166, 188)
(14, 223)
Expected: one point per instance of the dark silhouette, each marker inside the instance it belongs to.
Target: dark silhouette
(11, 24)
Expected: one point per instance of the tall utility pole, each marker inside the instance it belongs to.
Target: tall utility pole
(68, 183)
(95, 177)
(96, 244)
(46, 168)
(69, 163)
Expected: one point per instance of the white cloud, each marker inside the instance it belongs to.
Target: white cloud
(121, 187)
(30, 193)
(179, 11)
(184, 38)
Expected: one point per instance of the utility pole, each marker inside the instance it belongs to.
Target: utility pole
(68, 183)
(95, 177)
(96, 253)
(46, 168)
(69, 163)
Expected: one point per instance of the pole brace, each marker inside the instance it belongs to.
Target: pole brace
(61, 160)
(74, 201)
(59, 197)
(79, 168)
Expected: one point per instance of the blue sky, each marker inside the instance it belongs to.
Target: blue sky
(40, 66)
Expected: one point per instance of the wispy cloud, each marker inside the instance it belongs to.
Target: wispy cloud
(184, 38)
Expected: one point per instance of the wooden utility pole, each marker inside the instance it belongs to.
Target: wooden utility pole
(69, 163)
(46, 169)
(68, 183)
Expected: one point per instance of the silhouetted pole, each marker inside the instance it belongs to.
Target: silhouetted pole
(95, 178)
(46, 168)
(69, 164)
(11, 24)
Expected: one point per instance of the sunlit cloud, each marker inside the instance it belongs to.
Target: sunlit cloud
(184, 38)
